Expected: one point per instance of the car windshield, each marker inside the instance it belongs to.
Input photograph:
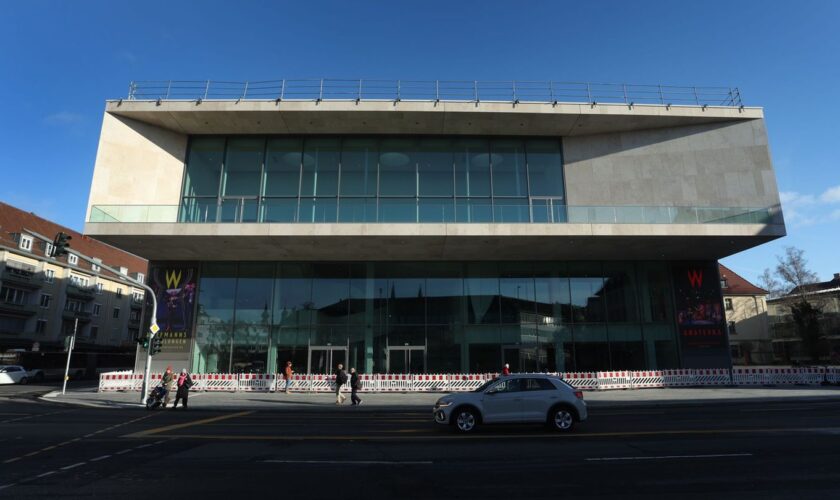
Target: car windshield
(485, 385)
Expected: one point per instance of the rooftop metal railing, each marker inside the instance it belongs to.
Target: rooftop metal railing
(327, 89)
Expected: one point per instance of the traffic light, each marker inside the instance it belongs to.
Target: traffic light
(143, 341)
(60, 244)
(157, 346)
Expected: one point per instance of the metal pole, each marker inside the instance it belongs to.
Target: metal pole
(70, 353)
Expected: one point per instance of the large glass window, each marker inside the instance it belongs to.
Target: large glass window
(437, 317)
(204, 165)
(282, 167)
(243, 167)
(397, 168)
(320, 167)
(372, 179)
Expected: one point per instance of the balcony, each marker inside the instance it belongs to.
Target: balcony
(83, 316)
(23, 275)
(14, 309)
(80, 291)
(136, 303)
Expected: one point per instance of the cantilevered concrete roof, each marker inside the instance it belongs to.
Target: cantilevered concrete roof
(417, 117)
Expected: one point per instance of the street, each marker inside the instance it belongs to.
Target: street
(769, 450)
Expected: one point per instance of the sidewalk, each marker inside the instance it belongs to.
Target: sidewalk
(424, 401)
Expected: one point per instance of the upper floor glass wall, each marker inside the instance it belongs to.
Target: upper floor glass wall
(371, 179)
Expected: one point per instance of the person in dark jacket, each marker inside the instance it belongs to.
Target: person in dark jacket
(184, 383)
(355, 385)
(168, 383)
(340, 379)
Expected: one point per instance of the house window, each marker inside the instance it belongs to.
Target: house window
(74, 305)
(119, 293)
(728, 304)
(49, 275)
(45, 300)
(72, 259)
(80, 281)
(141, 277)
(96, 309)
(138, 296)
(116, 312)
(25, 242)
(41, 326)
(124, 270)
(99, 289)
(14, 296)
(94, 331)
(732, 330)
(95, 267)
(134, 315)
(723, 283)
(48, 248)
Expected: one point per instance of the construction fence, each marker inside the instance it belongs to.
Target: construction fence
(596, 381)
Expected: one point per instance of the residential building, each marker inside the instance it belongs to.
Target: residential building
(41, 297)
(745, 308)
(787, 344)
(434, 227)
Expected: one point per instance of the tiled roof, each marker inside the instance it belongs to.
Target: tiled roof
(13, 221)
(737, 285)
(817, 287)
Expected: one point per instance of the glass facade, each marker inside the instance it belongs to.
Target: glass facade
(372, 179)
(434, 317)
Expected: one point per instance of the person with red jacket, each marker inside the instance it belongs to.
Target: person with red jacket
(506, 369)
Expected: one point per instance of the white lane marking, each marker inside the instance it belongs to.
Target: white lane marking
(45, 474)
(123, 451)
(349, 462)
(143, 446)
(159, 442)
(762, 410)
(669, 457)
(73, 466)
(3, 487)
(103, 457)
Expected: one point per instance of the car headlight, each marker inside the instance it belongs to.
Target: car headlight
(443, 404)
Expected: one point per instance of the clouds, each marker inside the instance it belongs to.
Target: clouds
(804, 209)
(64, 118)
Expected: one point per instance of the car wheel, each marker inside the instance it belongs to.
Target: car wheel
(561, 419)
(24, 381)
(466, 420)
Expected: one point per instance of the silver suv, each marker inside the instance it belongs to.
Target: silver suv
(514, 399)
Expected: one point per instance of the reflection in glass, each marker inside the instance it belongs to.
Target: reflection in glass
(282, 167)
(243, 166)
(545, 167)
(508, 163)
(204, 166)
(358, 167)
(397, 168)
(320, 168)
(472, 167)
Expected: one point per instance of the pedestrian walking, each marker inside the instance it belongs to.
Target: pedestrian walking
(168, 383)
(184, 383)
(287, 374)
(340, 379)
(355, 385)
(506, 369)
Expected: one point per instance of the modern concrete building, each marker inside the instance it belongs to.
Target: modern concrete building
(745, 308)
(435, 226)
(42, 297)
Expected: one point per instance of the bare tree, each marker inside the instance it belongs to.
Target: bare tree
(791, 278)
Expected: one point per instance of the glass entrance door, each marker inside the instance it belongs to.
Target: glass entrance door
(407, 359)
(323, 359)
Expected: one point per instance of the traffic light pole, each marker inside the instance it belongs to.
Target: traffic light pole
(153, 328)
(70, 353)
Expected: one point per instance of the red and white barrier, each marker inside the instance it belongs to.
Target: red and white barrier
(247, 382)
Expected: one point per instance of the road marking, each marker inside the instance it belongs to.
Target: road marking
(168, 428)
(443, 436)
(35, 416)
(3, 487)
(669, 457)
(12, 460)
(122, 452)
(143, 446)
(159, 442)
(349, 462)
(103, 457)
(762, 410)
(73, 466)
(50, 473)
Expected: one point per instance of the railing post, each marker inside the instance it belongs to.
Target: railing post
(624, 88)
(168, 88)
(661, 96)
(132, 89)
(360, 90)
(551, 90)
(696, 98)
(245, 92)
(475, 90)
(321, 91)
(206, 90)
(514, 91)
(399, 83)
(282, 88)
(589, 92)
(437, 90)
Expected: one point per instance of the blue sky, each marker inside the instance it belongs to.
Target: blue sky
(61, 60)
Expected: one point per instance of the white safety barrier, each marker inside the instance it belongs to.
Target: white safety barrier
(582, 380)
(248, 382)
(648, 379)
(119, 381)
(712, 376)
(615, 380)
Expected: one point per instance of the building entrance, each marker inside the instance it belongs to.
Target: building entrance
(323, 359)
(407, 359)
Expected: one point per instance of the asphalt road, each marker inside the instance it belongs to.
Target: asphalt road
(778, 450)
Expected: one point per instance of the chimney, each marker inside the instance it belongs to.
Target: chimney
(837, 276)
